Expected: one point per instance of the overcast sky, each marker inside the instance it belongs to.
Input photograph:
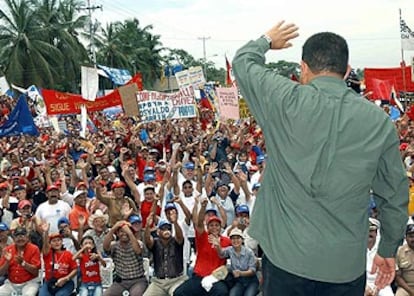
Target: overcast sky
(370, 26)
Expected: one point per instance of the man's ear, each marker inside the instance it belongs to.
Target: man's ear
(348, 70)
(304, 72)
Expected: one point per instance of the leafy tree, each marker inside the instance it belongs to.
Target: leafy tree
(26, 56)
(285, 68)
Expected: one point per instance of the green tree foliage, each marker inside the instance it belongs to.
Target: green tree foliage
(285, 68)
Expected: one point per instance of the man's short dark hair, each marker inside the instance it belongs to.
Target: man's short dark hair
(326, 51)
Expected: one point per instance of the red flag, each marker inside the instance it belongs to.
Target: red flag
(381, 89)
(204, 101)
(229, 81)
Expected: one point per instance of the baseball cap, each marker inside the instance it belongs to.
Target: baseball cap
(242, 209)
(134, 219)
(18, 187)
(260, 159)
(63, 220)
(118, 184)
(51, 187)
(169, 206)
(149, 177)
(256, 186)
(213, 210)
(20, 231)
(3, 226)
(78, 193)
(154, 150)
(409, 229)
(163, 223)
(212, 219)
(23, 203)
(189, 165)
(54, 235)
(149, 169)
(236, 231)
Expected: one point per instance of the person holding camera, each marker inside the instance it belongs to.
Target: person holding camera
(60, 268)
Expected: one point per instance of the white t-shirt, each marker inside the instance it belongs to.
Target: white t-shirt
(52, 213)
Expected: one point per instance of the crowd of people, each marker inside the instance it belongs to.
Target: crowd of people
(177, 194)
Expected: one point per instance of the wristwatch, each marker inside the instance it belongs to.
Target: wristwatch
(268, 39)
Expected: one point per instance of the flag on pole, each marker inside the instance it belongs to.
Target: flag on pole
(229, 80)
(407, 36)
(90, 83)
(395, 99)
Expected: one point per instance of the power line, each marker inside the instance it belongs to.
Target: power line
(91, 9)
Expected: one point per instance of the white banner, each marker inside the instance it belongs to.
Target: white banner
(193, 76)
(155, 106)
(90, 83)
(84, 117)
(4, 86)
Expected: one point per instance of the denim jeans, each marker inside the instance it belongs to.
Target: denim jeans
(66, 290)
(90, 289)
(245, 286)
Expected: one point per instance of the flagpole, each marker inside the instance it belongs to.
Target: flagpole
(402, 61)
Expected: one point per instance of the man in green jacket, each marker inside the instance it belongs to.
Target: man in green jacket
(327, 147)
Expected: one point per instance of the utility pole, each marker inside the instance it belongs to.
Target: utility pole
(204, 39)
(90, 9)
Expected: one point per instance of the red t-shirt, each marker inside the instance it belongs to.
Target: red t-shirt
(17, 273)
(89, 269)
(146, 209)
(207, 258)
(64, 264)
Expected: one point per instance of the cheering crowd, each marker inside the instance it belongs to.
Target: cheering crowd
(176, 194)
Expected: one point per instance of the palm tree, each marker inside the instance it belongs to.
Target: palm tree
(127, 45)
(27, 58)
(62, 23)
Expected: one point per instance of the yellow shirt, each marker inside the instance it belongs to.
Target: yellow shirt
(411, 201)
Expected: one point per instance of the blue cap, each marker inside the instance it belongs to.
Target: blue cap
(63, 220)
(149, 169)
(3, 226)
(211, 210)
(134, 219)
(149, 177)
(256, 186)
(169, 206)
(242, 209)
(162, 223)
(261, 158)
(189, 166)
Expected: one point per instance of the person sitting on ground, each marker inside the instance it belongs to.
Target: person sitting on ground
(242, 264)
(207, 260)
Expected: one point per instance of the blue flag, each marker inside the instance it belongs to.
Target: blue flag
(117, 76)
(20, 121)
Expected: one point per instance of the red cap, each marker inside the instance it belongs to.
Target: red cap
(213, 218)
(52, 187)
(81, 183)
(84, 156)
(118, 184)
(403, 146)
(23, 203)
(54, 235)
(4, 185)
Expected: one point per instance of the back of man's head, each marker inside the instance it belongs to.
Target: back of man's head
(326, 51)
